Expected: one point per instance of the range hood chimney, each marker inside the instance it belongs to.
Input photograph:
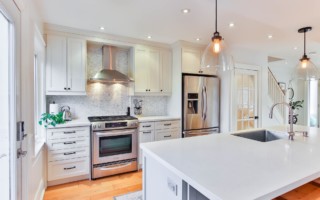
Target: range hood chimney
(108, 74)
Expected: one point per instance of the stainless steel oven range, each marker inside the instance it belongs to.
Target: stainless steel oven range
(114, 145)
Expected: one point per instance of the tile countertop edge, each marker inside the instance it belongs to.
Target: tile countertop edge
(156, 118)
(73, 123)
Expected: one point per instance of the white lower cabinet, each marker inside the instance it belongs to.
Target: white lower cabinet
(158, 130)
(68, 151)
(159, 183)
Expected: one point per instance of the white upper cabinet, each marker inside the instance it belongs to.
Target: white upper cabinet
(66, 66)
(152, 71)
(191, 61)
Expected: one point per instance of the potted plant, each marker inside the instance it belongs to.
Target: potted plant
(295, 105)
(51, 119)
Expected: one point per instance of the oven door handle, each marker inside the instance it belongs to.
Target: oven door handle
(117, 167)
(110, 133)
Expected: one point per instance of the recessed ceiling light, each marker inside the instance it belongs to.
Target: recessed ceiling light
(185, 11)
(270, 36)
(149, 37)
(312, 53)
(101, 28)
(231, 24)
(295, 48)
(198, 39)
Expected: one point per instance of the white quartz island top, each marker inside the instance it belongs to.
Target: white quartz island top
(223, 166)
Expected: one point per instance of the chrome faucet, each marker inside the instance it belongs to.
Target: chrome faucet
(291, 132)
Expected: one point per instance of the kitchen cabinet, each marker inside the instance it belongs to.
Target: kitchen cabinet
(68, 154)
(66, 66)
(156, 131)
(191, 61)
(152, 71)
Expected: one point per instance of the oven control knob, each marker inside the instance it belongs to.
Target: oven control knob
(99, 126)
(94, 126)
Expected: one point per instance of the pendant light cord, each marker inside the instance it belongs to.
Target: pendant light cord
(216, 15)
(304, 42)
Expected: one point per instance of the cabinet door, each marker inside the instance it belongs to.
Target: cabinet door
(145, 136)
(56, 80)
(154, 70)
(166, 72)
(77, 49)
(141, 80)
(191, 59)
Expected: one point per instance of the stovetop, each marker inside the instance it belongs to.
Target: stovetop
(111, 118)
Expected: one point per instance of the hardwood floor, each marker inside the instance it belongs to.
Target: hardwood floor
(100, 189)
(107, 188)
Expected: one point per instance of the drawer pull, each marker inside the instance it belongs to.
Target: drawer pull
(166, 136)
(167, 124)
(146, 132)
(146, 126)
(69, 153)
(69, 132)
(68, 168)
(69, 142)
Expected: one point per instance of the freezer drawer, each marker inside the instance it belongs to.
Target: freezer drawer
(191, 133)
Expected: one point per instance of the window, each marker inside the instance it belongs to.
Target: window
(39, 91)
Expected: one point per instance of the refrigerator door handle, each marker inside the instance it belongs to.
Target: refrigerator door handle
(205, 103)
(202, 103)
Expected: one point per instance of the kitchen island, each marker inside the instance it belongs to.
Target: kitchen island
(224, 166)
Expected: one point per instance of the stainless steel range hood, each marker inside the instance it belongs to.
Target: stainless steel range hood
(108, 74)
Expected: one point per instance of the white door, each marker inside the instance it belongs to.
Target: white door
(246, 99)
(11, 167)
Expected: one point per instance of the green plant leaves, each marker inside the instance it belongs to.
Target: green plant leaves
(51, 119)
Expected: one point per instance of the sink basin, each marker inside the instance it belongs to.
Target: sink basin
(260, 135)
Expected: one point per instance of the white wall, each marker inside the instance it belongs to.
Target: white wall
(35, 171)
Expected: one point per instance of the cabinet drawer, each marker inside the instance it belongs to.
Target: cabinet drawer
(68, 144)
(162, 125)
(67, 133)
(58, 170)
(60, 155)
(145, 126)
(166, 135)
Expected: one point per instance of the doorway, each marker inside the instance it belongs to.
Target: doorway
(10, 174)
(245, 101)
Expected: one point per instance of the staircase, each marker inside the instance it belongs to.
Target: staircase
(276, 95)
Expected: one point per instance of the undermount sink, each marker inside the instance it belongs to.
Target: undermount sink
(260, 135)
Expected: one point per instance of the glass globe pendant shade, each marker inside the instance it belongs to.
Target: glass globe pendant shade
(306, 70)
(216, 56)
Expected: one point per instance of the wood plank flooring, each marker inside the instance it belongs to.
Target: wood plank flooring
(107, 188)
(100, 189)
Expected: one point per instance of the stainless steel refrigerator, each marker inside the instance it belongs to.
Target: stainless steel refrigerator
(200, 104)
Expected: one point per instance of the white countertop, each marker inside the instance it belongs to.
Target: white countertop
(223, 166)
(156, 118)
(73, 123)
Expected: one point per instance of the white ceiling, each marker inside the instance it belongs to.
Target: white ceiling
(162, 19)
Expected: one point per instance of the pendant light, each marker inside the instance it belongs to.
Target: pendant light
(216, 55)
(305, 70)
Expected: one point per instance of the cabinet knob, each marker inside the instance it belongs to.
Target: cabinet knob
(69, 88)
(160, 90)
(149, 90)
(146, 90)
(65, 88)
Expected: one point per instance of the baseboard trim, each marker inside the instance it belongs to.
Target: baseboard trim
(68, 180)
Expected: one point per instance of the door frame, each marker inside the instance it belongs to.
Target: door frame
(12, 13)
(233, 94)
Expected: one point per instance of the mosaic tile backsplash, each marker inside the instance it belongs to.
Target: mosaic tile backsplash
(108, 99)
